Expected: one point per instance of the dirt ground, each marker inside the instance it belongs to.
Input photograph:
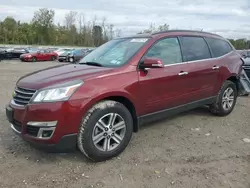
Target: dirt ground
(193, 149)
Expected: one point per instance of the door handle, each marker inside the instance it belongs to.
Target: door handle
(215, 67)
(182, 73)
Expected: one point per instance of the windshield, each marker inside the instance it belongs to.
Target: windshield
(65, 53)
(115, 53)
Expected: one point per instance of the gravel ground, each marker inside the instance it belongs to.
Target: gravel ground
(193, 149)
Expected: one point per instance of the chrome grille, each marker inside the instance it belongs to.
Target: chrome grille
(22, 96)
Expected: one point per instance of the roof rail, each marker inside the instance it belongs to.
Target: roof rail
(191, 31)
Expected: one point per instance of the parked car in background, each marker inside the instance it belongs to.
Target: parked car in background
(63, 56)
(98, 103)
(246, 59)
(75, 55)
(13, 53)
(62, 51)
(42, 55)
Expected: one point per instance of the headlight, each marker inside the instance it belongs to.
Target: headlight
(60, 92)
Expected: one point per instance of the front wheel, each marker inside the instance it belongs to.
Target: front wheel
(105, 130)
(226, 99)
(34, 59)
(52, 58)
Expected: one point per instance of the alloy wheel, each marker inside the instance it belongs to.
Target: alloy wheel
(228, 99)
(109, 132)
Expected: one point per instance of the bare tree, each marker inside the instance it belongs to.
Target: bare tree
(70, 19)
(118, 32)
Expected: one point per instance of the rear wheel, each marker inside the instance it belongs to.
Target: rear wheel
(105, 130)
(226, 99)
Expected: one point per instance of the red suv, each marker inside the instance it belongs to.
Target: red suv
(95, 105)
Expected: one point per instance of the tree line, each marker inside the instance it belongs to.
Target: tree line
(42, 30)
(76, 30)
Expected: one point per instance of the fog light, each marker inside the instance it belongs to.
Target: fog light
(47, 133)
(42, 123)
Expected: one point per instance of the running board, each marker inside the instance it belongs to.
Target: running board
(244, 84)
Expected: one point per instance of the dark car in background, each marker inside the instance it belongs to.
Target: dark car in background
(41, 55)
(13, 53)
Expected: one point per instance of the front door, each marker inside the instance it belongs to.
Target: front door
(164, 88)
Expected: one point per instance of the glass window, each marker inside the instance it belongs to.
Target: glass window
(116, 52)
(168, 50)
(194, 48)
(218, 47)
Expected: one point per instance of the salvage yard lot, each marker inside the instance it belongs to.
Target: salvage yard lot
(193, 149)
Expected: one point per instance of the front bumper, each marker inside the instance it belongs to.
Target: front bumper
(25, 58)
(63, 137)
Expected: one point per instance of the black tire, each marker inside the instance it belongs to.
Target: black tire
(34, 59)
(217, 108)
(84, 140)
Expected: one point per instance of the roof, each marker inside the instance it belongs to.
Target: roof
(150, 35)
(185, 31)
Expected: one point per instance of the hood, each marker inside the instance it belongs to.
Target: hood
(59, 74)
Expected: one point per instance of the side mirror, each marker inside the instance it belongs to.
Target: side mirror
(38, 52)
(151, 62)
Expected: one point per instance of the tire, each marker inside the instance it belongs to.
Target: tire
(53, 58)
(218, 108)
(71, 59)
(34, 59)
(89, 127)
(60, 60)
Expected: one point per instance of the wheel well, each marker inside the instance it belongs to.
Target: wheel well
(235, 80)
(129, 105)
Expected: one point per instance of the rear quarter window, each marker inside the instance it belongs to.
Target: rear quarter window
(194, 48)
(218, 47)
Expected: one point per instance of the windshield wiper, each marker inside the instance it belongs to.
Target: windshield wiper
(92, 63)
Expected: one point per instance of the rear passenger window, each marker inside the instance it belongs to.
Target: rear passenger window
(168, 50)
(194, 48)
(218, 47)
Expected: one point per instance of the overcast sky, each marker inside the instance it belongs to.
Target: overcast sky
(229, 18)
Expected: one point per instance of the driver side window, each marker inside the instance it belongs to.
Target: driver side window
(168, 50)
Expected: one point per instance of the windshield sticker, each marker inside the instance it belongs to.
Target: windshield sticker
(115, 62)
(139, 40)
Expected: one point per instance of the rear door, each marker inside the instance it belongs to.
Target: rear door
(202, 75)
(220, 50)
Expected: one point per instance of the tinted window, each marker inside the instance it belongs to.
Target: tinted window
(194, 48)
(218, 47)
(168, 50)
